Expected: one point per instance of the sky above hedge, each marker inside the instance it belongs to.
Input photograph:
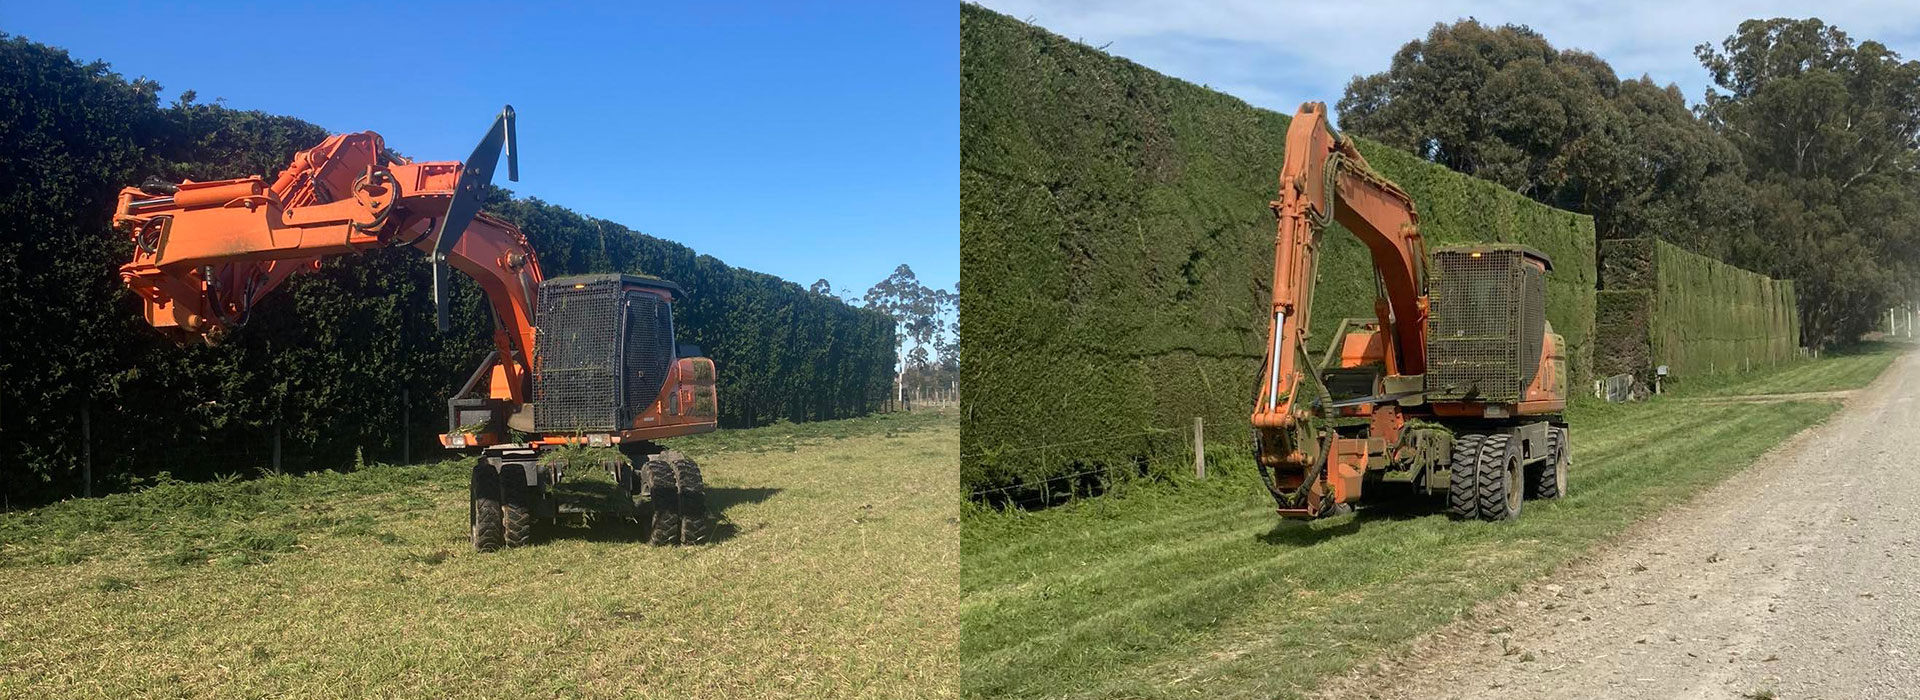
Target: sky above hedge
(1278, 54)
(774, 138)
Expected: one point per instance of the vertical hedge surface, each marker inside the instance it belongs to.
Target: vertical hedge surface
(1117, 252)
(1665, 306)
(327, 358)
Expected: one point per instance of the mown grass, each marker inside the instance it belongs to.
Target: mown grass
(1846, 369)
(835, 577)
(1195, 589)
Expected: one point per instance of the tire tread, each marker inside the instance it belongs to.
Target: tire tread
(485, 522)
(1495, 480)
(664, 500)
(1463, 491)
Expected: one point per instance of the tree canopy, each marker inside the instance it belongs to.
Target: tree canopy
(1799, 165)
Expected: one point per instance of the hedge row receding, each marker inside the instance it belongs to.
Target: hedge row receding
(1117, 252)
(1662, 305)
(342, 361)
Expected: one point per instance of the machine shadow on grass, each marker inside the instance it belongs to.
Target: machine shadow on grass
(1394, 505)
(609, 520)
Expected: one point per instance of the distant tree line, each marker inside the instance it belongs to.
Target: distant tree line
(929, 338)
(1799, 163)
(343, 362)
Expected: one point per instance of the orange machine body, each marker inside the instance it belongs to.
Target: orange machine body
(1310, 465)
(206, 254)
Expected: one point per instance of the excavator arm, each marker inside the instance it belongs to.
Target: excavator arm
(1325, 179)
(206, 252)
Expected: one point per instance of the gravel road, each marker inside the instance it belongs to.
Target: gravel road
(1799, 578)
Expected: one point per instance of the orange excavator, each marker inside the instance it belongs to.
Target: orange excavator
(587, 361)
(1455, 386)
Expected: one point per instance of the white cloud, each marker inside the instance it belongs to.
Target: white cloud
(1277, 54)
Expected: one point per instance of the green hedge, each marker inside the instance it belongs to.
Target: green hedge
(1117, 251)
(1694, 314)
(327, 359)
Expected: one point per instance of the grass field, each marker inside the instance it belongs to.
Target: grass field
(1848, 369)
(1195, 589)
(834, 576)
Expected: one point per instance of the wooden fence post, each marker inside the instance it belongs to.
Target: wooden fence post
(86, 449)
(406, 428)
(1199, 448)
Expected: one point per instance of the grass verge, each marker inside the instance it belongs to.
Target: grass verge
(1195, 589)
(836, 577)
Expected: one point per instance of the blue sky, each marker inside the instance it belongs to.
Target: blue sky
(1279, 53)
(803, 139)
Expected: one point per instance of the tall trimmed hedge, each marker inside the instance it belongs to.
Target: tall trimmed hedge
(1662, 305)
(1117, 252)
(325, 360)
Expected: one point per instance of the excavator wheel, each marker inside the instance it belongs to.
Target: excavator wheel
(1501, 479)
(1550, 479)
(663, 498)
(516, 500)
(483, 516)
(1463, 488)
(694, 525)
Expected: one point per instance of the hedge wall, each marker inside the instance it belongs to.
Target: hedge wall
(1116, 253)
(1661, 305)
(327, 359)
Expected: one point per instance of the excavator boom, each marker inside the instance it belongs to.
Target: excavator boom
(206, 252)
(1325, 179)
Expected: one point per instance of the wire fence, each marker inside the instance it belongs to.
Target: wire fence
(1046, 487)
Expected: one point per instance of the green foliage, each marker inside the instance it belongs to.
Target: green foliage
(1558, 126)
(1623, 328)
(1118, 248)
(1827, 128)
(328, 358)
(1801, 165)
(1694, 314)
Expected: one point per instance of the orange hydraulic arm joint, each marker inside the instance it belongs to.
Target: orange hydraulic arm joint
(1326, 179)
(205, 252)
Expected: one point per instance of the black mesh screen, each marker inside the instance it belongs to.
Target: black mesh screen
(1476, 349)
(601, 354)
(576, 356)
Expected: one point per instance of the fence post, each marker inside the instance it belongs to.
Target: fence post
(86, 449)
(1046, 487)
(1199, 448)
(276, 448)
(406, 428)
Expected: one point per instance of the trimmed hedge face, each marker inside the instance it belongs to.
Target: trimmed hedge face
(328, 358)
(1696, 315)
(1117, 254)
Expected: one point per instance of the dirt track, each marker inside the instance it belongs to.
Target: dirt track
(1799, 578)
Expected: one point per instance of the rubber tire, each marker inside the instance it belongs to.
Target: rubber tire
(484, 521)
(516, 501)
(1550, 481)
(1463, 486)
(663, 498)
(1500, 477)
(695, 528)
